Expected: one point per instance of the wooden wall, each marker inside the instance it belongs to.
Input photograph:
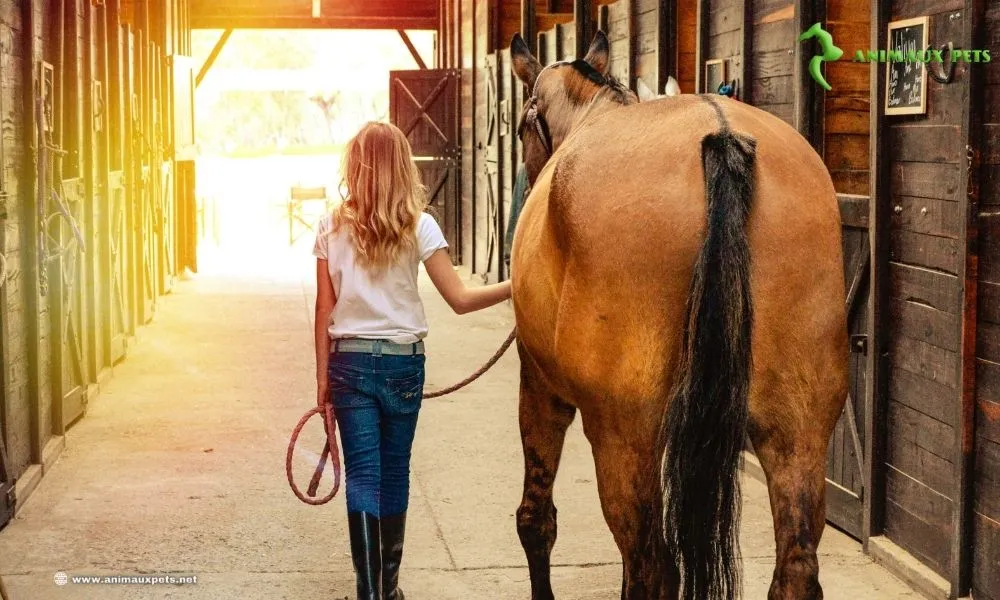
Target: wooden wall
(618, 27)
(646, 49)
(78, 285)
(925, 289)
(724, 22)
(986, 485)
(686, 32)
(846, 106)
(772, 62)
(473, 19)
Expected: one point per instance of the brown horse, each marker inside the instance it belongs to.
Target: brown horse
(677, 279)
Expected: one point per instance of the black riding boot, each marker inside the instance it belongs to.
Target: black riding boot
(392, 555)
(365, 550)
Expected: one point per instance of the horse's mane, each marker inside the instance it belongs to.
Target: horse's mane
(620, 92)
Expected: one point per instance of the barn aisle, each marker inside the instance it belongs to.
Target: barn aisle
(178, 468)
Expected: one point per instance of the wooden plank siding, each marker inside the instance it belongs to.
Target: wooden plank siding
(771, 64)
(686, 35)
(723, 20)
(986, 474)
(60, 326)
(473, 23)
(645, 59)
(619, 32)
(925, 287)
(846, 105)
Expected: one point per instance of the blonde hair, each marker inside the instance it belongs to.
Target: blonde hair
(385, 196)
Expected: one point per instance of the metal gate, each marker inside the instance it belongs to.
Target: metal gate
(425, 105)
(845, 458)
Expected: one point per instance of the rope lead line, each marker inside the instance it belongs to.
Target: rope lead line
(331, 451)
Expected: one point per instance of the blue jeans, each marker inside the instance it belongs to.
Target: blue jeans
(376, 399)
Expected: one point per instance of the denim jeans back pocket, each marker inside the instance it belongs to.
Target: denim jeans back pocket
(404, 393)
(347, 385)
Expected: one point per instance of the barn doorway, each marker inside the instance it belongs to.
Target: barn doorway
(273, 115)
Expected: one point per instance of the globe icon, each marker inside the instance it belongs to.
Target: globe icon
(60, 578)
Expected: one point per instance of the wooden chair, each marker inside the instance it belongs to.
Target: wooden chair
(298, 216)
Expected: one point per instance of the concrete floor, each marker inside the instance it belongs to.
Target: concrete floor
(179, 468)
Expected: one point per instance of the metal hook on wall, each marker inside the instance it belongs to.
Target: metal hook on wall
(947, 73)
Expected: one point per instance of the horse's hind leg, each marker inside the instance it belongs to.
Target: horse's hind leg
(544, 419)
(794, 460)
(627, 481)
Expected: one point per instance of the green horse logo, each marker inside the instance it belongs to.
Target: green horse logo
(826, 45)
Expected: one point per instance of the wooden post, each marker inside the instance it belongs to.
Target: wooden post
(30, 227)
(631, 25)
(746, 51)
(804, 92)
(960, 569)
(217, 49)
(584, 31)
(666, 47)
(701, 45)
(528, 24)
(873, 511)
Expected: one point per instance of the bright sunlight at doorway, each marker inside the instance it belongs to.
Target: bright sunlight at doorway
(272, 116)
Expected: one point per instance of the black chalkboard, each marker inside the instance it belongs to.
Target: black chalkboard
(906, 81)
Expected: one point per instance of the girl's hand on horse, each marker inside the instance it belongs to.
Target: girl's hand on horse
(460, 298)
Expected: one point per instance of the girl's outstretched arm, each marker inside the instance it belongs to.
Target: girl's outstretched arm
(460, 298)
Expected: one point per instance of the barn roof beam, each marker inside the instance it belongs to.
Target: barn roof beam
(333, 22)
(212, 56)
(413, 49)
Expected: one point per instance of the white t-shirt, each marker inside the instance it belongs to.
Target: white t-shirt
(386, 307)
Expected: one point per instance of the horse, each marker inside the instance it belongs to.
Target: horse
(677, 280)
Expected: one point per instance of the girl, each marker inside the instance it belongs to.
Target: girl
(369, 326)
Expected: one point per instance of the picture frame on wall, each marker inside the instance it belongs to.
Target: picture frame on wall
(906, 82)
(715, 75)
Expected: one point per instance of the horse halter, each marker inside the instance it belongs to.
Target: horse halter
(532, 116)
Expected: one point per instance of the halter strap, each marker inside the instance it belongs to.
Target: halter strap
(541, 126)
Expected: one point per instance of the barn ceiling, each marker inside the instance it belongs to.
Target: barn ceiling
(314, 14)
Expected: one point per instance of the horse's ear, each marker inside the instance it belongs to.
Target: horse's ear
(524, 64)
(597, 55)
(672, 88)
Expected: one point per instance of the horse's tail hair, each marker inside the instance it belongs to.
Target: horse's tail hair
(705, 422)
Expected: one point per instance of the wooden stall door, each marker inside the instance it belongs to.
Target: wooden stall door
(492, 172)
(986, 475)
(166, 229)
(845, 457)
(425, 104)
(131, 165)
(8, 498)
(67, 306)
(120, 315)
(507, 151)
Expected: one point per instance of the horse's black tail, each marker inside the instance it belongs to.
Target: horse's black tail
(706, 419)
